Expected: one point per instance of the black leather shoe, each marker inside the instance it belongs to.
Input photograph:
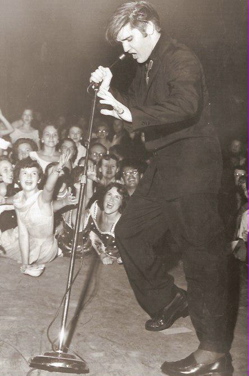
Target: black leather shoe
(189, 366)
(177, 308)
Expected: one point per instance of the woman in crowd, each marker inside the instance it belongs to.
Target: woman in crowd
(36, 242)
(22, 148)
(49, 142)
(35, 215)
(25, 129)
(101, 219)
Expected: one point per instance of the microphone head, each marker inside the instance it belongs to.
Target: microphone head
(122, 57)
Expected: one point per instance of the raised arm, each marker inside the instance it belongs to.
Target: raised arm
(48, 189)
(7, 125)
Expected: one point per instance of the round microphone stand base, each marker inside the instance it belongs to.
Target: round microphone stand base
(59, 362)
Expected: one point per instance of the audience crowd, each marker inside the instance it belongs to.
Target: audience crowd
(41, 168)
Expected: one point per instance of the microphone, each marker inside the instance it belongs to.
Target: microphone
(95, 85)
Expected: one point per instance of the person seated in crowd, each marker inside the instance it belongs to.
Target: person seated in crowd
(121, 136)
(22, 148)
(35, 242)
(100, 221)
(102, 134)
(240, 238)
(83, 124)
(108, 168)
(227, 198)
(65, 229)
(7, 213)
(68, 145)
(25, 129)
(239, 170)
(48, 153)
(5, 127)
(236, 155)
(131, 172)
(237, 201)
(76, 134)
(96, 152)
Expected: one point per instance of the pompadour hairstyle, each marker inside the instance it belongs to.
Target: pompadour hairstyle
(137, 13)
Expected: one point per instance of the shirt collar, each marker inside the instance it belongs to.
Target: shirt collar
(160, 47)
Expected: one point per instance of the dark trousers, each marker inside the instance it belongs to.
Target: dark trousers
(194, 223)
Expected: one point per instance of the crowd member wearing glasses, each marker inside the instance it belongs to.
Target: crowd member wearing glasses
(102, 133)
(96, 152)
(131, 174)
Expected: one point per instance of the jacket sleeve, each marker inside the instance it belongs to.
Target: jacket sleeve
(175, 94)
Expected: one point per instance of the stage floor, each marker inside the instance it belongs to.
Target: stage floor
(109, 334)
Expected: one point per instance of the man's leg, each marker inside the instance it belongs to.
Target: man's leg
(195, 224)
(140, 226)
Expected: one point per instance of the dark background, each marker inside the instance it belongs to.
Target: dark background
(48, 48)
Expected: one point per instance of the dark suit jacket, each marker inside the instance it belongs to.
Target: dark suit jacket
(173, 111)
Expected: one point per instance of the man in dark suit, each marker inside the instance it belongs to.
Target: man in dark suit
(168, 101)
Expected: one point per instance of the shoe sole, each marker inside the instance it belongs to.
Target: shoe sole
(170, 322)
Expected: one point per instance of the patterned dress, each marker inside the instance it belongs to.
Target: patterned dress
(102, 241)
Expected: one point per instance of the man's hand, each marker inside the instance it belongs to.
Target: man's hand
(102, 75)
(119, 111)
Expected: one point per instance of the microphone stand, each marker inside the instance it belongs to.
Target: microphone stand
(61, 360)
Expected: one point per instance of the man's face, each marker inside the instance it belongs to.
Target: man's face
(96, 152)
(237, 174)
(135, 43)
(118, 126)
(108, 168)
(102, 132)
(131, 177)
(235, 147)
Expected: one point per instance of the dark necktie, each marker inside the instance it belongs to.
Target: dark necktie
(148, 68)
